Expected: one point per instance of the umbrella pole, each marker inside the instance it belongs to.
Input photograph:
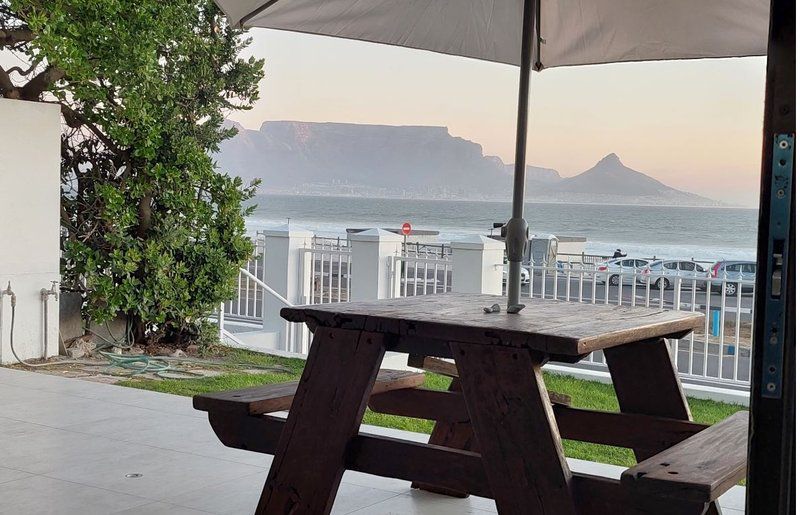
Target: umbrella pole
(517, 227)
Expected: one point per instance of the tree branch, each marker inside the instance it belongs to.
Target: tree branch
(37, 85)
(7, 88)
(75, 119)
(16, 35)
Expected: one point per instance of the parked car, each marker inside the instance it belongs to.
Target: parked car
(625, 269)
(525, 277)
(733, 274)
(664, 273)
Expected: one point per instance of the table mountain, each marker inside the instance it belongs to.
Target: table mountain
(419, 162)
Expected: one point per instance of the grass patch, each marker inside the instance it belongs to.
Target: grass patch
(585, 394)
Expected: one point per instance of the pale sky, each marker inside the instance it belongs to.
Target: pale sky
(695, 125)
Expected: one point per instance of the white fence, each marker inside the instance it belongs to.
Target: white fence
(248, 303)
(719, 353)
(422, 275)
(330, 271)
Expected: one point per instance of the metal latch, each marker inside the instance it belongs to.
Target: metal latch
(778, 244)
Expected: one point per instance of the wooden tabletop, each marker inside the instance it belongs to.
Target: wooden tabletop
(557, 327)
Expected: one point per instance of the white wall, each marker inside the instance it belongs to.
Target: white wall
(371, 265)
(286, 270)
(478, 265)
(29, 223)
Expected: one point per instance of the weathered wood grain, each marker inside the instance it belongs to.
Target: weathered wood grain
(515, 429)
(270, 398)
(444, 407)
(646, 382)
(630, 430)
(450, 468)
(326, 413)
(455, 433)
(561, 328)
(449, 369)
(701, 468)
(433, 364)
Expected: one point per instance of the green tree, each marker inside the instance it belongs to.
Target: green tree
(151, 229)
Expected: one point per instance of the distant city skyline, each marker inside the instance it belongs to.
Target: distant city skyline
(695, 125)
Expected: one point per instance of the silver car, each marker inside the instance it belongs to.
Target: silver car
(620, 271)
(665, 273)
(734, 274)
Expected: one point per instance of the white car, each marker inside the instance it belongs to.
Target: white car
(620, 271)
(525, 276)
(665, 273)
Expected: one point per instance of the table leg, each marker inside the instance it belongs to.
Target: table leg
(456, 435)
(646, 382)
(515, 429)
(325, 414)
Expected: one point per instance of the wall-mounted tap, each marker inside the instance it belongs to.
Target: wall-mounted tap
(52, 291)
(8, 291)
(45, 296)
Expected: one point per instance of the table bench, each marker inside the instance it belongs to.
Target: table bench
(498, 431)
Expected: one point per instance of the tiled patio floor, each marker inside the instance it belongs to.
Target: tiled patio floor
(66, 447)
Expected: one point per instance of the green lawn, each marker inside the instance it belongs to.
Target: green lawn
(585, 394)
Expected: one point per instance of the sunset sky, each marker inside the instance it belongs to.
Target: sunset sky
(694, 125)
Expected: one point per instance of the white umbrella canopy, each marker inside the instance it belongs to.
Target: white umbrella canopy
(532, 34)
(573, 32)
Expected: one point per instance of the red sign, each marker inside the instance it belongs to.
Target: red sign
(406, 229)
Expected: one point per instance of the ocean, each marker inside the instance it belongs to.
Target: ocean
(706, 234)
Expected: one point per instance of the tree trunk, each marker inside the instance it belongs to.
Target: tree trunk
(145, 215)
(138, 329)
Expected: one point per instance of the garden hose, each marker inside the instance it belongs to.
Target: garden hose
(160, 366)
(146, 365)
(14, 351)
(140, 364)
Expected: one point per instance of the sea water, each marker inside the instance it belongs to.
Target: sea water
(707, 234)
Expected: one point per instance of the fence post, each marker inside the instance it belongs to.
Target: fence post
(221, 321)
(475, 265)
(371, 264)
(287, 270)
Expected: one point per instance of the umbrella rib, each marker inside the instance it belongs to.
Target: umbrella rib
(537, 64)
(255, 12)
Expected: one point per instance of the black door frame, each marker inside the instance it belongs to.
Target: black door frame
(771, 461)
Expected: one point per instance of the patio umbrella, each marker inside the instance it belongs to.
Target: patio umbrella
(531, 34)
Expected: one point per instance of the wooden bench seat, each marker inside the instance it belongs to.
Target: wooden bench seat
(270, 398)
(700, 468)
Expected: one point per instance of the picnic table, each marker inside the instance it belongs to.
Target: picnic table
(498, 430)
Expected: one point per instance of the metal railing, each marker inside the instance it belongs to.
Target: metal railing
(718, 353)
(329, 277)
(427, 250)
(294, 337)
(418, 274)
(248, 303)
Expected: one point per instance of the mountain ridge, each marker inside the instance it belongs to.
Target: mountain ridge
(421, 162)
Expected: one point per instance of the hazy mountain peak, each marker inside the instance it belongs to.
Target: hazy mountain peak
(419, 162)
(228, 124)
(610, 159)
